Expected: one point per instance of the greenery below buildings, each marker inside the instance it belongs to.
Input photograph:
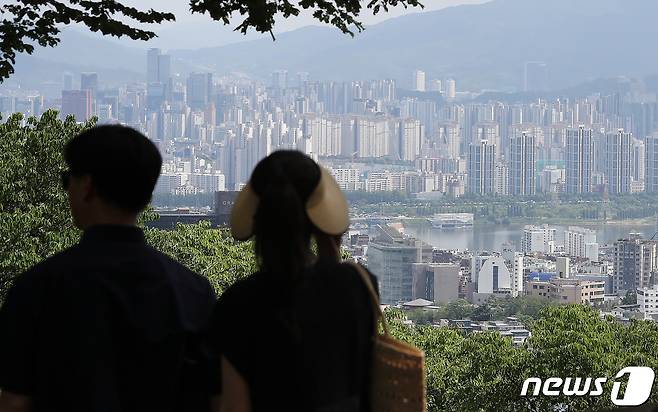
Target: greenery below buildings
(478, 372)
(525, 308)
(552, 208)
(485, 371)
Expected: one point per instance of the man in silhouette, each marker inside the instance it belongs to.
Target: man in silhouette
(109, 324)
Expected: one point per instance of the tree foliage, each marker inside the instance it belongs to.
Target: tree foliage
(27, 22)
(33, 208)
(485, 371)
(207, 251)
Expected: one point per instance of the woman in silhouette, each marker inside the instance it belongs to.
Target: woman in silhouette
(295, 336)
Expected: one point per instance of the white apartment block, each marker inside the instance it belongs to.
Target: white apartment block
(538, 239)
(576, 240)
(647, 300)
(347, 179)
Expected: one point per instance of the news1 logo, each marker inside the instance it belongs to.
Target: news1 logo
(638, 386)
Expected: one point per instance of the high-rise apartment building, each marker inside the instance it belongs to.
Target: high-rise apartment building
(158, 66)
(515, 264)
(651, 162)
(89, 81)
(579, 156)
(152, 58)
(488, 131)
(199, 90)
(538, 239)
(419, 81)
(411, 139)
(501, 179)
(522, 165)
(67, 81)
(451, 89)
(576, 241)
(481, 168)
(638, 167)
(78, 103)
(634, 262)
(449, 139)
(280, 79)
(618, 155)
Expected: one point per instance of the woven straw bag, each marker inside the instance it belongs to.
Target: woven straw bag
(397, 375)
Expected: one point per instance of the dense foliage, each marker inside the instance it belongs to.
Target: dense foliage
(210, 252)
(34, 215)
(485, 372)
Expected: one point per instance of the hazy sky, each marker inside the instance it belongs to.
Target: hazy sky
(196, 31)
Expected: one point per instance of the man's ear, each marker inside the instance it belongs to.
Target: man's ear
(87, 188)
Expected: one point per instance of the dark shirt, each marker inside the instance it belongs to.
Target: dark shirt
(111, 325)
(302, 350)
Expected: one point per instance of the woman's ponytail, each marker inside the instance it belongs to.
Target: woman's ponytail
(282, 232)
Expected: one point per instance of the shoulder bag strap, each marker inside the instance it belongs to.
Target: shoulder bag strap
(377, 310)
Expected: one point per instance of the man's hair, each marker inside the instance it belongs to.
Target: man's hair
(123, 164)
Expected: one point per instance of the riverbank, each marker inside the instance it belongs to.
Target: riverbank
(480, 222)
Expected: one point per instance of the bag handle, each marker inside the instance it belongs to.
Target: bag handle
(377, 310)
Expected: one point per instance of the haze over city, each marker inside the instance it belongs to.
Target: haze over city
(492, 152)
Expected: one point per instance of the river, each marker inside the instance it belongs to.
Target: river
(491, 237)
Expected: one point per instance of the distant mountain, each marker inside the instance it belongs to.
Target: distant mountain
(482, 46)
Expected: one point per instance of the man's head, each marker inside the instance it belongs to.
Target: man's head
(112, 171)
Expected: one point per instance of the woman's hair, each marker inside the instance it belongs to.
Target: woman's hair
(283, 182)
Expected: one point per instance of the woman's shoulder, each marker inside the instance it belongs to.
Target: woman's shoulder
(347, 273)
(242, 291)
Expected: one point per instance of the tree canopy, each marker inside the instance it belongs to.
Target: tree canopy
(28, 22)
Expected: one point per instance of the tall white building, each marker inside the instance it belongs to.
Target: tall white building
(489, 131)
(501, 179)
(522, 165)
(618, 165)
(411, 139)
(419, 80)
(647, 300)
(538, 239)
(449, 139)
(451, 89)
(576, 240)
(651, 162)
(515, 265)
(373, 137)
(481, 168)
(639, 161)
(580, 156)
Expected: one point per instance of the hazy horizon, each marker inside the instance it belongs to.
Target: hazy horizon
(210, 33)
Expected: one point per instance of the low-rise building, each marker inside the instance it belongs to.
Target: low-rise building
(568, 291)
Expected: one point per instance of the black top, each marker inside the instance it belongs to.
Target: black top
(108, 325)
(301, 350)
